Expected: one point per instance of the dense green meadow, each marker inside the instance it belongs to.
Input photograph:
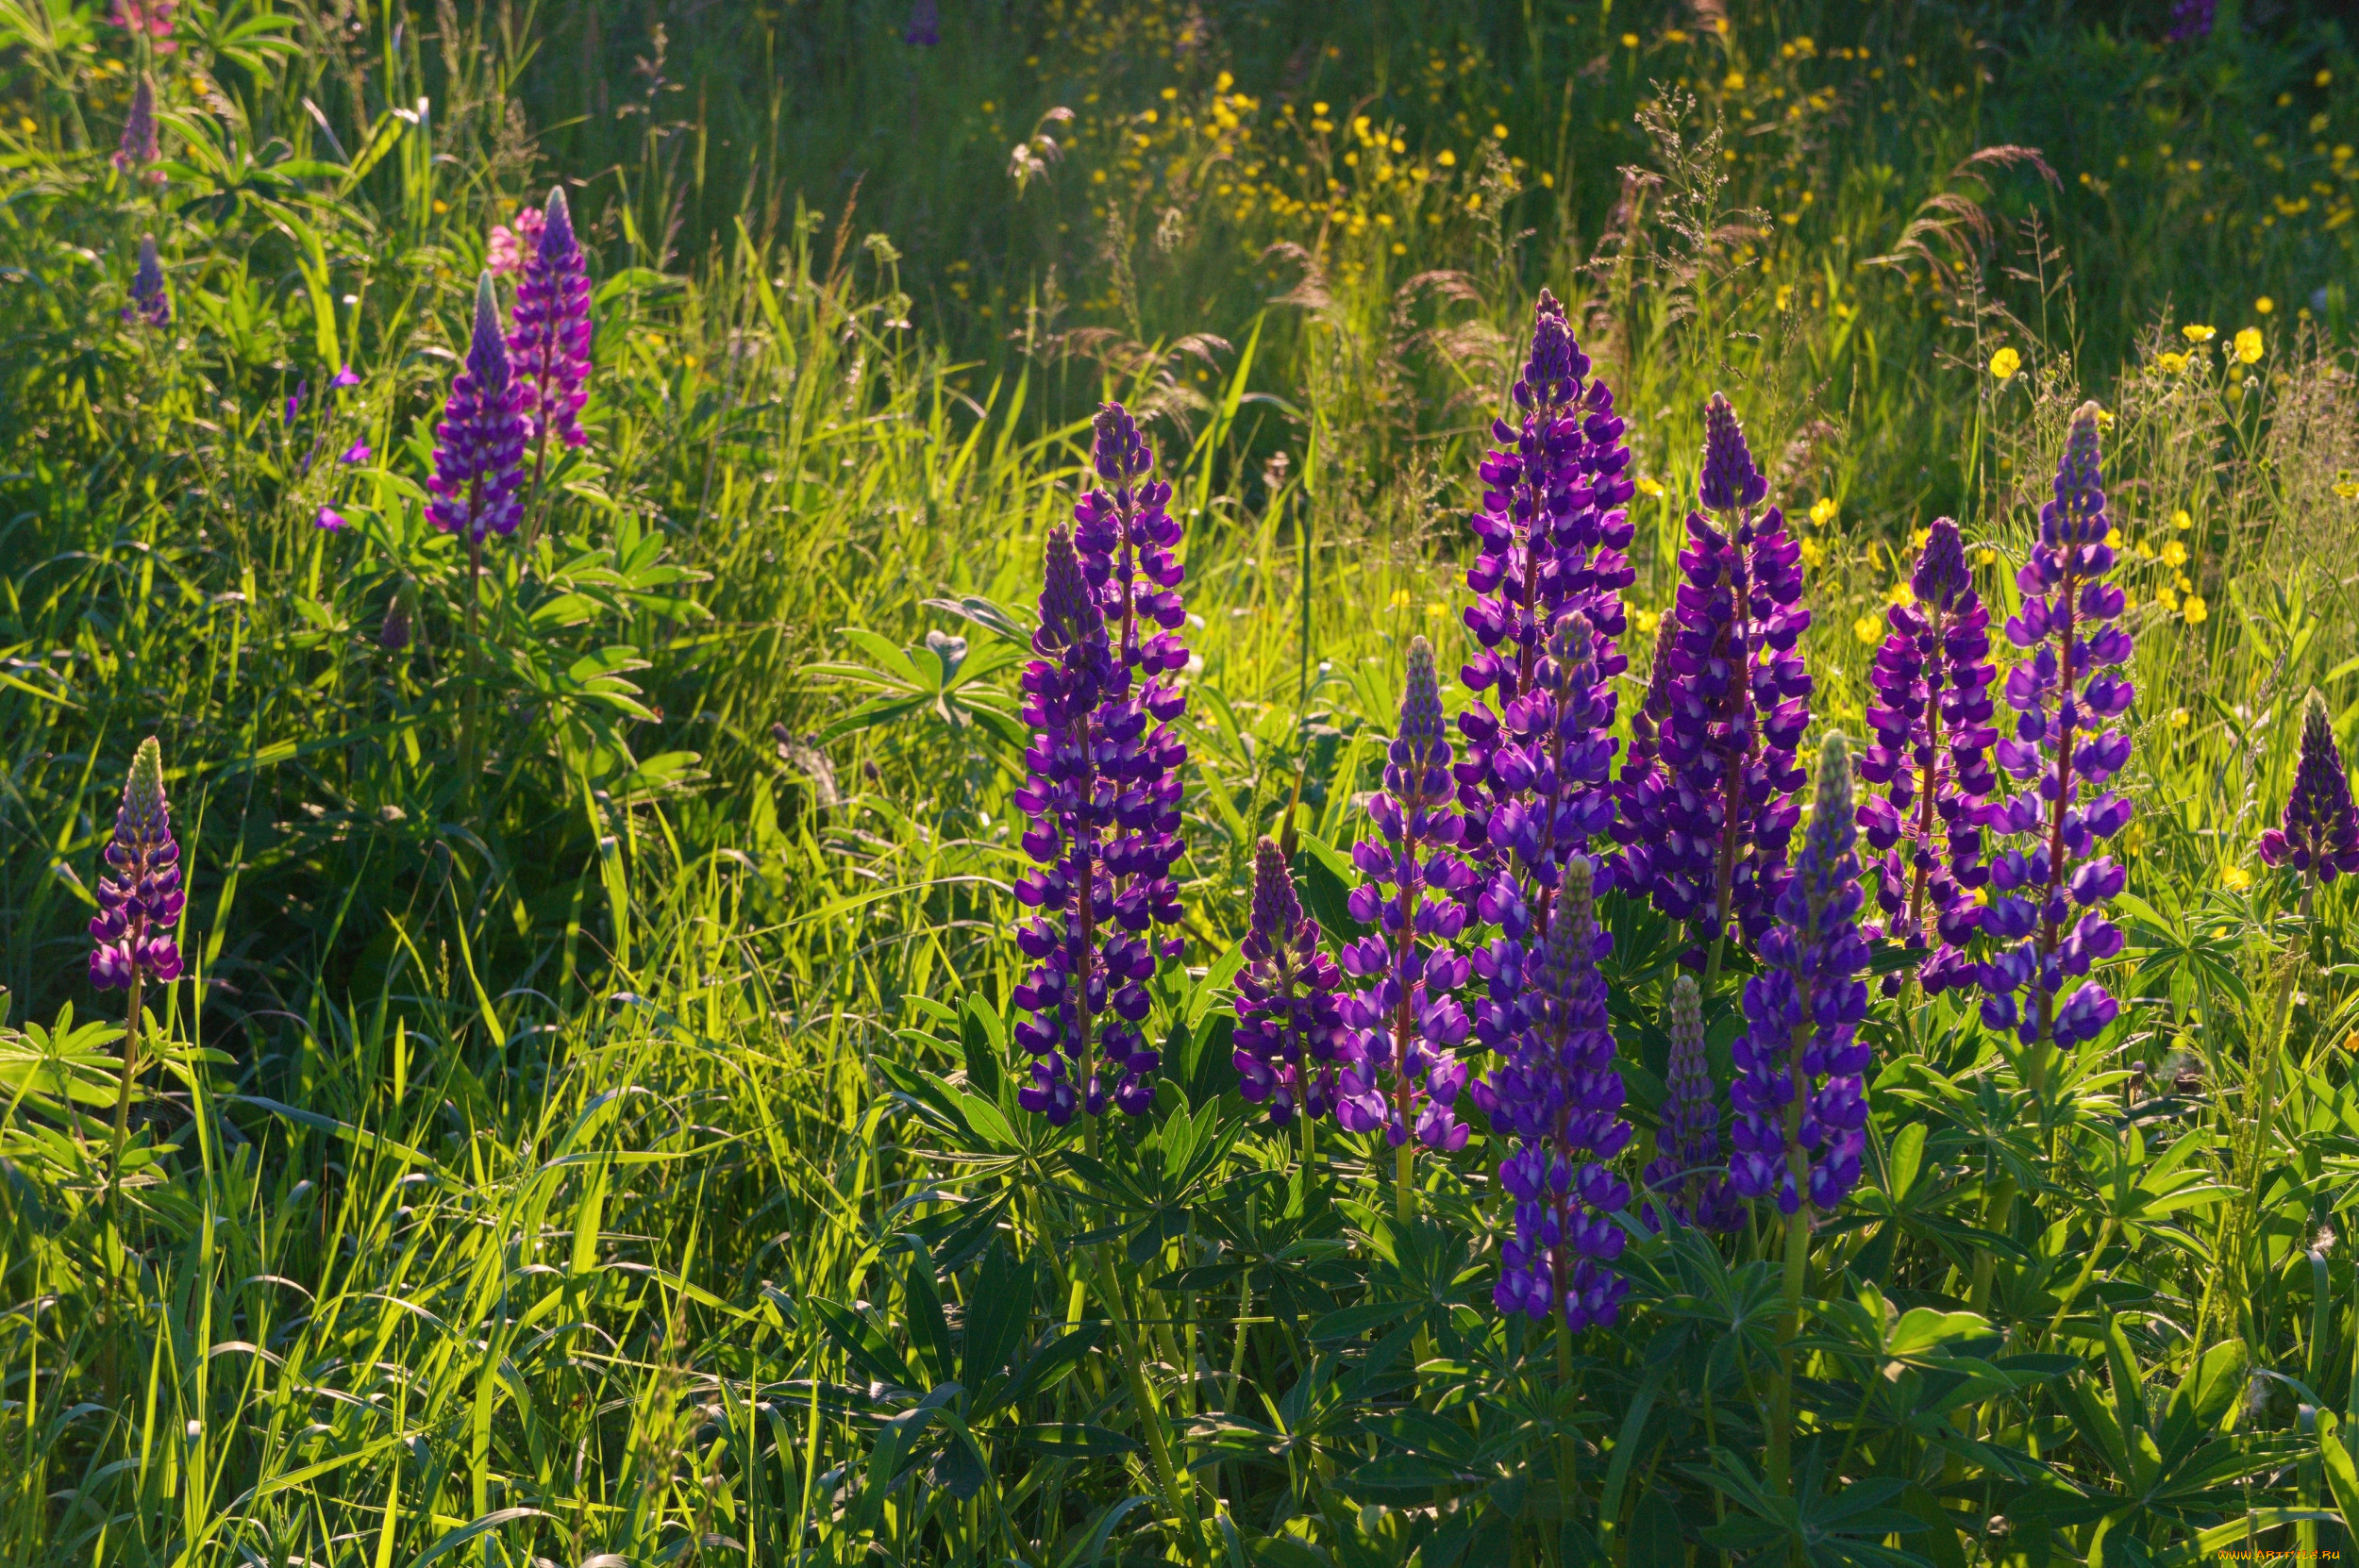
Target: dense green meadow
(586, 1130)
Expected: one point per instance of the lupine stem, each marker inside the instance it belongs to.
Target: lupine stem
(123, 1097)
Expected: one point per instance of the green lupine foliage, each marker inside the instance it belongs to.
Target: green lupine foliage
(612, 1155)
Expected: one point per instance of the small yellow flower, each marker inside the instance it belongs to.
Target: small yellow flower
(1900, 594)
(1649, 486)
(2175, 553)
(1986, 556)
(2171, 363)
(2004, 363)
(1630, 40)
(2195, 334)
(1650, 621)
(2112, 538)
(1813, 554)
(1402, 598)
(1920, 538)
(2196, 610)
(1735, 81)
(2347, 489)
(2181, 520)
(2166, 596)
(1498, 132)
(1446, 158)
(1315, 108)
(2263, 306)
(1822, 510)
(2104, 419)
(2235, 878)
(1868, 629)
(1435, 611)
(2179, 718)
(2249, 344)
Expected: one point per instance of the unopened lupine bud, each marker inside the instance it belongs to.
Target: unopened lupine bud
(1290, 1035)
(140, 149)
(151, 297)
(1687, 1177)
(2320, 833)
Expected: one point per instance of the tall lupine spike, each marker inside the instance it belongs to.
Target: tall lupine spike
(477, 468)
(2320, 833)
(1551, 531)
(1560, 1098)
(140, 897)
(2064, 694)
(550, 342)
(1800, 1105)
(1687, 1179)
(1290, 1035)
(1103, 786)
(1931, 719)
(151, 297)
(1401, 1071)
(1739, 701)
(141, 149)
(1551, 765)
(1640, 785)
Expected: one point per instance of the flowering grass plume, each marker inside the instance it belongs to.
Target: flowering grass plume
(1558, 1098)
(1801, 1109)
(1711, 850)
(2065, 693)
(477, 468)
(139, 150)
(1932, 717)
(2320, 833)
(140, 897)
(550, 345)
(1687, 1180)
(1551, 533)
(1290, 1035)
(151, 296)
(1102, 788)
(1402, 1072)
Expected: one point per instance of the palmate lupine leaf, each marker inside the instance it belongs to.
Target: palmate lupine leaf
(940, 675)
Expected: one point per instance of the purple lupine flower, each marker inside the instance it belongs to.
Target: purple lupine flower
(295, 401)
(924, 29)
(1551, 531)
(550, 343)
(139, 901)
(1801, 1109)
(2064, 694)
(139, 150)
(1932, 715)
(342, 379)
(1290, 1034)
(1687, 1179)
(2320, 833)
(1640, 786)
(151, 297)
(477, 468)
(330, 520)
(1406, 1027)
(1560, 1098)
(1551, 761)
(1738, 703)
(357, 453)
(1102, 787)
(2191, 20)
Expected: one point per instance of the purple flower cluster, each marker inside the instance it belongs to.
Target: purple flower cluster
(1686, 1179)
(1801, 1109)
(2191, 20)
(2064, 694)
(1551, 533)
(1706, 826)
(1932, 717)
(549, 346)
(1102, 787)
(2320, 833)
(477, 468)
(139, 150)
(1406, 1025)
(1560, 1098)
(1290, 1033)
(139, 899)
(151, 297)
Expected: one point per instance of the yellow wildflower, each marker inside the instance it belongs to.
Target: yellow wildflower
(1987, 556)
(2347, 489)
(2179, 718)
(1649, 486)
(1822, 510)
(1435, 611)
(2181, 520)
(1498, 132)
(1868, 629)
(2263, 306)
(1446, 158)
(2004, 363)
(2249, 344)
(2168, 597)
(2195, 334)
(1920, 538)
(2235, 878)
(1902, 593)
(2175, 553)
(1650, 619)
(1630, 40)
(2172, 363)
(2196, 610)
(1814, 553)
(1735, 82)
(1402, 598)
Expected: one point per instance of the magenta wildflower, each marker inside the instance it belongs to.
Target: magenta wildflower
(1801, 1106)
(1687, 1180)
(140, 898)
(343, 378)
(152, 18)
(511, 245)
(1290, 1035)
(140, 149)
(2320, 832)
(357, 453)
(151, 297)
(2064, 694)
(478, 467)
(1931, 718)
(1403, 1072)
(550, 344)
(329, 521)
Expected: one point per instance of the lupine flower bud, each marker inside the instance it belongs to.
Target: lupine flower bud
(1800, 1110)
(1102, 788)
(1932, 715)
(477, 468)
(1406, 1027)
(140, 149)
(550, 343)
(1560, 1098)
(151, 298)
(1551, 531)
(2065, 693)
(2321, 831)
(139, 900)
(1290, 1034)
(1687, 1179)
(1721, 797)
